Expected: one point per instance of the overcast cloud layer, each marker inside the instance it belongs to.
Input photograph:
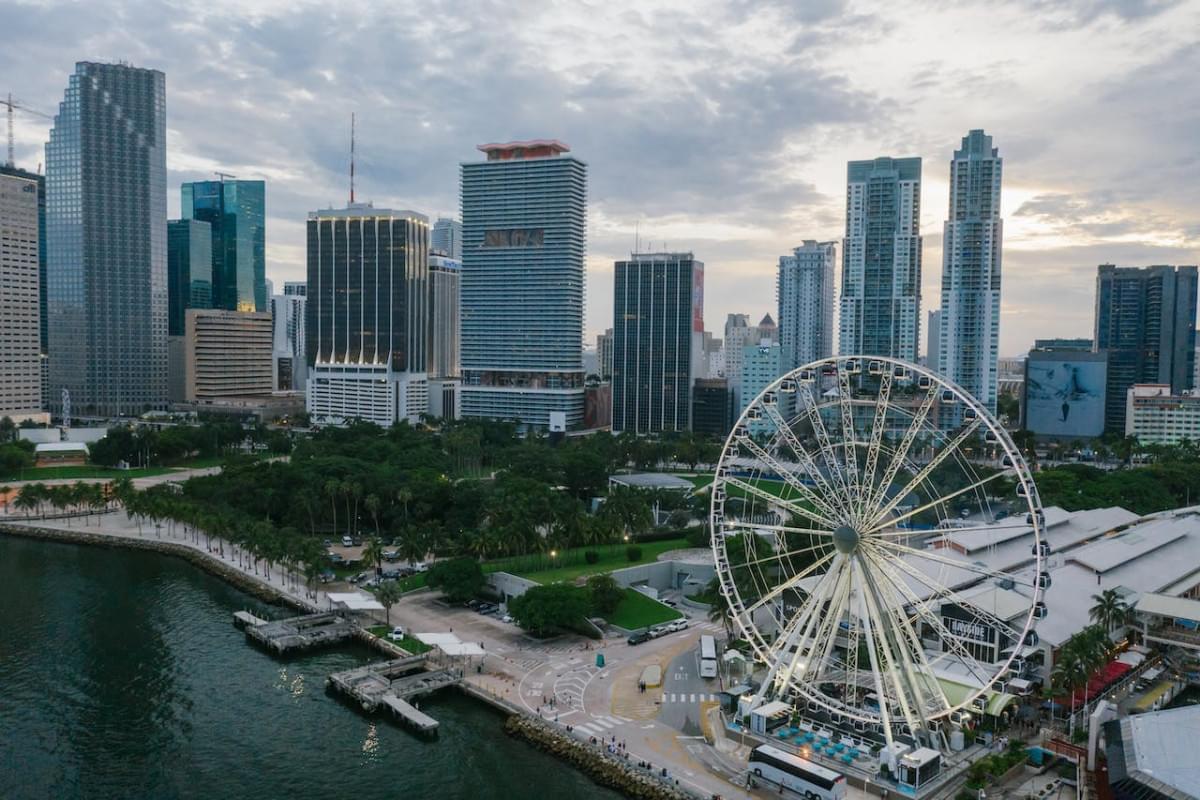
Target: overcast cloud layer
(718, 126)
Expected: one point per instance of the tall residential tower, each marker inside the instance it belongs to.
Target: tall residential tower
(804, 288)
(969, 327)
(20, 345)
(524, 215)
(106, 232)
(881, 259)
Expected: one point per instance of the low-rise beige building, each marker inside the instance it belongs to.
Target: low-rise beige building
(223, 354)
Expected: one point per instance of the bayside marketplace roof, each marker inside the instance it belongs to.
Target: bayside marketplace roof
(1153, 755)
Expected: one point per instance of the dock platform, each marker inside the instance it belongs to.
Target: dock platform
(244, 619)
(392, 684)
(303, 633)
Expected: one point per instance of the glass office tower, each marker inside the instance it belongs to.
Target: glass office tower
(106, 242)
(189, 270)
(524, 215)
(236, 210)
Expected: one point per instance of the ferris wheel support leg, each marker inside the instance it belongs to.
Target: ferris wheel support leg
(885, 716)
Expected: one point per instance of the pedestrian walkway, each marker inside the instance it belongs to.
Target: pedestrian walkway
(688, 697)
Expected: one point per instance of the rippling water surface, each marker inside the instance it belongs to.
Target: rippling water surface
(122, 676)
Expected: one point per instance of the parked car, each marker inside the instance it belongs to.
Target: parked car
(326, 576)
(677, 625)
(347, 541)
(397, 634)
(487, 608)
(507, 618)
(659, 630)
(336, 558)
(391, 555)
(420, 566)
(391, 574)
(637, 637)
(472, 604)
(361, 577)
(328, 543)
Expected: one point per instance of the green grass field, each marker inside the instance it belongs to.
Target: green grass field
(639, 611)
(80, 472)
(572, 565)
(414, 646)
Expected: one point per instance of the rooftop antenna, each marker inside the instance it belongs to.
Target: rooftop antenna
(637, 236)
(351, 158)
(223, 175)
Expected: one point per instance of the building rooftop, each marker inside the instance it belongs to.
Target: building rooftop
(1155, 754)
(653, 480)
(530, 148)
(1165, 605)
(366, 210)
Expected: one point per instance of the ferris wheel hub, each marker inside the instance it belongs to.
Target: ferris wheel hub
(846, 539)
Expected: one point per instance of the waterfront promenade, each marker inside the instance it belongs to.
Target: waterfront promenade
(557, 680)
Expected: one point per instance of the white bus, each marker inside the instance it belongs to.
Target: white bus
(708, 657)
(803, 777)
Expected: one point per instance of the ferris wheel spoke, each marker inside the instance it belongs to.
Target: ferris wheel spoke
(790, 479)
(898, 596)
(784, 431)
(813, 412)
(747, 525)
(943, 592)
(929, 555)
(787, 555)
(934, 503)
(922, 609)
(900, 455)
(849, 448)
(788, 585)
(897, 653)
(821, 606)
(926, 471)
(873, 654)
(826, 632)
(763, 494)
(878, 426)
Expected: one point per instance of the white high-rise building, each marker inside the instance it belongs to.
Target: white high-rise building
(20, 341)
(446, 238)
(969, 336)
(289, 348)
(934, 328)
(738, 334)
(805, 292)
(881, 259)
(445, 276)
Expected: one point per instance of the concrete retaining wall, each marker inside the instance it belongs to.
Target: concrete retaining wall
(508, 585)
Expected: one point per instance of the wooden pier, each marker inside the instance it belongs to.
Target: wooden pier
(244, 619)
(302, 633)
(392, 684)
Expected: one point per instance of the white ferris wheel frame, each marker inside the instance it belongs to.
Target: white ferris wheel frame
(841, 501)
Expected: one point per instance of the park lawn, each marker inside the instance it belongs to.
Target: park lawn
(78, 472)
(412, 645)
(542, 570)
(637, 610)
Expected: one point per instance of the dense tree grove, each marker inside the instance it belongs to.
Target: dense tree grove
(147, 446)
(471, 488)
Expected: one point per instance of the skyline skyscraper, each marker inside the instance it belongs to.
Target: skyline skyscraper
(43, 316)
(881, 259)
(969, 327)
(236, 210)
(657, 344)
(1146, 321)
(189, 270)
(445, 321)
(288, 312)
(524, 216)
(106, 237)
(805, 292)
(447, 238)
(20, 345)
(367, 312)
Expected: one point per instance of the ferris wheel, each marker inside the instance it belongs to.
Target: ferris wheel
(881, 546)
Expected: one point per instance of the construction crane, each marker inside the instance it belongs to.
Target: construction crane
(11, 105)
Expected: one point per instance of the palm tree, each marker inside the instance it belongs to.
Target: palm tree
(332, 489)
(1109, 610)
(372, 504)
(388, 595)
(373, 553)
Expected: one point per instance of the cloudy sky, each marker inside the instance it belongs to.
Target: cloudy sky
(719, 126)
